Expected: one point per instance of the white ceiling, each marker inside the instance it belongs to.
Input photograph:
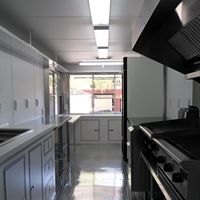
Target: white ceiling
(66, 25)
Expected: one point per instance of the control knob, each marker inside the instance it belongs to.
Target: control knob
(161, 159)
(168, 167)
(177, 177)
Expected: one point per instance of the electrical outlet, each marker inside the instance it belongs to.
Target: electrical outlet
(42, 111)
(36, 102)
(26, 103)
(16, 105)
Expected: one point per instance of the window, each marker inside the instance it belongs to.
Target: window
(95, 93)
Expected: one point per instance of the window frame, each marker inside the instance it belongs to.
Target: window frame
(93, 74)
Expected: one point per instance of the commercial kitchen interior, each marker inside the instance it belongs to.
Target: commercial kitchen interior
(99, 99)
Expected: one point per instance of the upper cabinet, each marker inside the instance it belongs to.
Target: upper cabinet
(39, 90)
(23, 89)
(5, 88)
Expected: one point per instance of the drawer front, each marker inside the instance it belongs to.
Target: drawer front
(50, 189)
(48, 168)
(48, 145)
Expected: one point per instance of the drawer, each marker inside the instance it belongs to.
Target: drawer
(50, 189)
(48, 168)
(48, 145)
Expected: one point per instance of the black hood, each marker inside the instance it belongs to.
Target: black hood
(170, 39)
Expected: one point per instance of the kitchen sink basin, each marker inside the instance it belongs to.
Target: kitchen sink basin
(8, 135)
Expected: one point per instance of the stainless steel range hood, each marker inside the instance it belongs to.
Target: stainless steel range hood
(172, 35)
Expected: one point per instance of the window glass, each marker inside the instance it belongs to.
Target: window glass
(96, 93)
(81, 93)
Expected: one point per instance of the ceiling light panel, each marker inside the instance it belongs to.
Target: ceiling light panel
(100, 63)
(102, 52)
(101, 36)
(100, 11)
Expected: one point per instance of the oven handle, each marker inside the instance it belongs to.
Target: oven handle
(178, 156)
(147, 131)
(153, 173)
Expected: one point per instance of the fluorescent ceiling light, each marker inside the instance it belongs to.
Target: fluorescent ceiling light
(102, 60)
(100, 11)
(100, 63)
(102, 52)
(101, 36)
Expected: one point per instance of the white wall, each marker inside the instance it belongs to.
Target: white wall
(20, 80)
(145, 88)
(179, 93)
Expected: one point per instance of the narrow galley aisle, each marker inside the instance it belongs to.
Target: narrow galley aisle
(96, 173)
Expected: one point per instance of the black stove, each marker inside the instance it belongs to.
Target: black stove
(172, 148)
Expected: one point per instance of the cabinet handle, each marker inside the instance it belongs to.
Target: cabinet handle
(96, 130)
(111, 129)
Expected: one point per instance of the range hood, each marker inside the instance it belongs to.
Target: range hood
(172, 36)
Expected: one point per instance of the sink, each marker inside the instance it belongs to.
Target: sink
(8, 134)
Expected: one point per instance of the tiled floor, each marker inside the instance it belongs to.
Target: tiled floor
(96, 173)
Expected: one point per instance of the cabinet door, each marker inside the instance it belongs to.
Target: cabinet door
(90, 130)
(35, 170)
(23, 90)
(114, 130)
(14, 174)
(39, 90)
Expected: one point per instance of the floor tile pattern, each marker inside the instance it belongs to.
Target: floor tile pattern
(95, 172)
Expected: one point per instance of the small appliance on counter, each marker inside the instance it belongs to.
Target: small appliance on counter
(192, 112)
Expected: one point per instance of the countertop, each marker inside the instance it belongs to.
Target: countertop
(137, 121)
(36, 131)
(39, 127)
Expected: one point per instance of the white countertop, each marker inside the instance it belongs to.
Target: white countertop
(36, 131)
(40, 127)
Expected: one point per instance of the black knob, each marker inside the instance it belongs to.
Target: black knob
(177, 178)
(161, 159)
(168, 167)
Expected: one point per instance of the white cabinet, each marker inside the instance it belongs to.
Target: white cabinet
(39, 90)
(97, 129)
(90, 130)
(23, 90)
(30, 174)
(35, 172)
(14, 173)
(114, 130)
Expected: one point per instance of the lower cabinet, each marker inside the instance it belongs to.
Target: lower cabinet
(90, 130)
(30, 173)
(14, 177)
(35, 172)
(114, 130)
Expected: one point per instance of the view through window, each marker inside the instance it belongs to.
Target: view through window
(95, 93)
